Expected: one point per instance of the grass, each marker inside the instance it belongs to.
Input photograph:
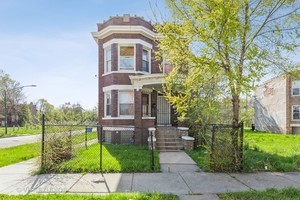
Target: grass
(19, 153)
(126, 196)
(262, 152)
(116, 158)
(270, 194)
(30, 130)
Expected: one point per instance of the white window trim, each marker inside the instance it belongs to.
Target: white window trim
(107, 93)
(134, 57)
(149, 56)
(125, 72)
(118, 87)
(125, 116)
(293, 113)
(105, 71)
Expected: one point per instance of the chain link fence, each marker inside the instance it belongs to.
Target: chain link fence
(96, 148)
(224, 144)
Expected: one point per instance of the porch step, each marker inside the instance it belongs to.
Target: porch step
(167, 139)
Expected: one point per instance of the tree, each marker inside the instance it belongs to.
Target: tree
(14, 95)
(228, 44)
(238, 40)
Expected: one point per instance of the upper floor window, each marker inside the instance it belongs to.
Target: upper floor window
(126, 58)
(107, 59)
(296, 112)
(145, 64)
(107, 104)
(296, 88)
(126, 103)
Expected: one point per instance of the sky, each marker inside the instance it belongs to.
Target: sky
(48, 43)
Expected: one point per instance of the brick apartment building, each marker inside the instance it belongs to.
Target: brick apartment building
(277, 105)
(130, 80)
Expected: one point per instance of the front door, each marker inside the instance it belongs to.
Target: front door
(163, 111)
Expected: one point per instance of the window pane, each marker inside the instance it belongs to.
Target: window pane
(108, 54)
(296, 113)
(296, 91)
(145, 55)
(126, 63)
(126, 109)
(126, 97)
(126, 51)
(126, 103)
(108, 104)
(108, 112)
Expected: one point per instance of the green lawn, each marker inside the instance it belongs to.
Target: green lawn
(30, 130)
(270, 194)
(116, 158)
(262, 152)
(128, 196)
(19, 153)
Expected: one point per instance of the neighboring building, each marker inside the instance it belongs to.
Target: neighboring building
(130, 80)
(277, 105)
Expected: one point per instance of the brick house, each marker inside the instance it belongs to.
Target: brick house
(277, 105)
(130, 80)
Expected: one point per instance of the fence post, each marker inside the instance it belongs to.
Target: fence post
(212, 147)
(101, 137)
(152, 151)
(242, 146)
(43, 140)
(86, 137)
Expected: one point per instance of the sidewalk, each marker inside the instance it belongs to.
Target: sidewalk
(16, 179)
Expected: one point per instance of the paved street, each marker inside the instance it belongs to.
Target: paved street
(15, 141)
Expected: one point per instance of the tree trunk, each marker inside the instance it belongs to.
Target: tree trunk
(235, 130)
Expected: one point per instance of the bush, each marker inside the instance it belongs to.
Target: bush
(58, 149)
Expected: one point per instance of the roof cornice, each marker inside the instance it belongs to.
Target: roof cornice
(125, 29)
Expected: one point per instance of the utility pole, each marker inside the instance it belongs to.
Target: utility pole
(5, 113)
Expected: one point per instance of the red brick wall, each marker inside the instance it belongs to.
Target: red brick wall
(118, 20)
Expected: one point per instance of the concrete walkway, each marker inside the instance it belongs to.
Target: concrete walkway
(171, 162)
(17, 179)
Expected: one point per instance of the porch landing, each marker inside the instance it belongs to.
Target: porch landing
(173, 162)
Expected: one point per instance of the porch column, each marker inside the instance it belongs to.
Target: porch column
(138, 116)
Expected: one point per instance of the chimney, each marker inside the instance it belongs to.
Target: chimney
(126, 18)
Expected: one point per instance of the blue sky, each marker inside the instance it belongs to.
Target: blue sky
(49, 43)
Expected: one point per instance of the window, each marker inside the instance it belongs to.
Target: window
(296, 88)
(145, 104)
(126, 103)
(107, 104)
(107, 59)
(296, 112)
(145, 64)
(126, 58)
